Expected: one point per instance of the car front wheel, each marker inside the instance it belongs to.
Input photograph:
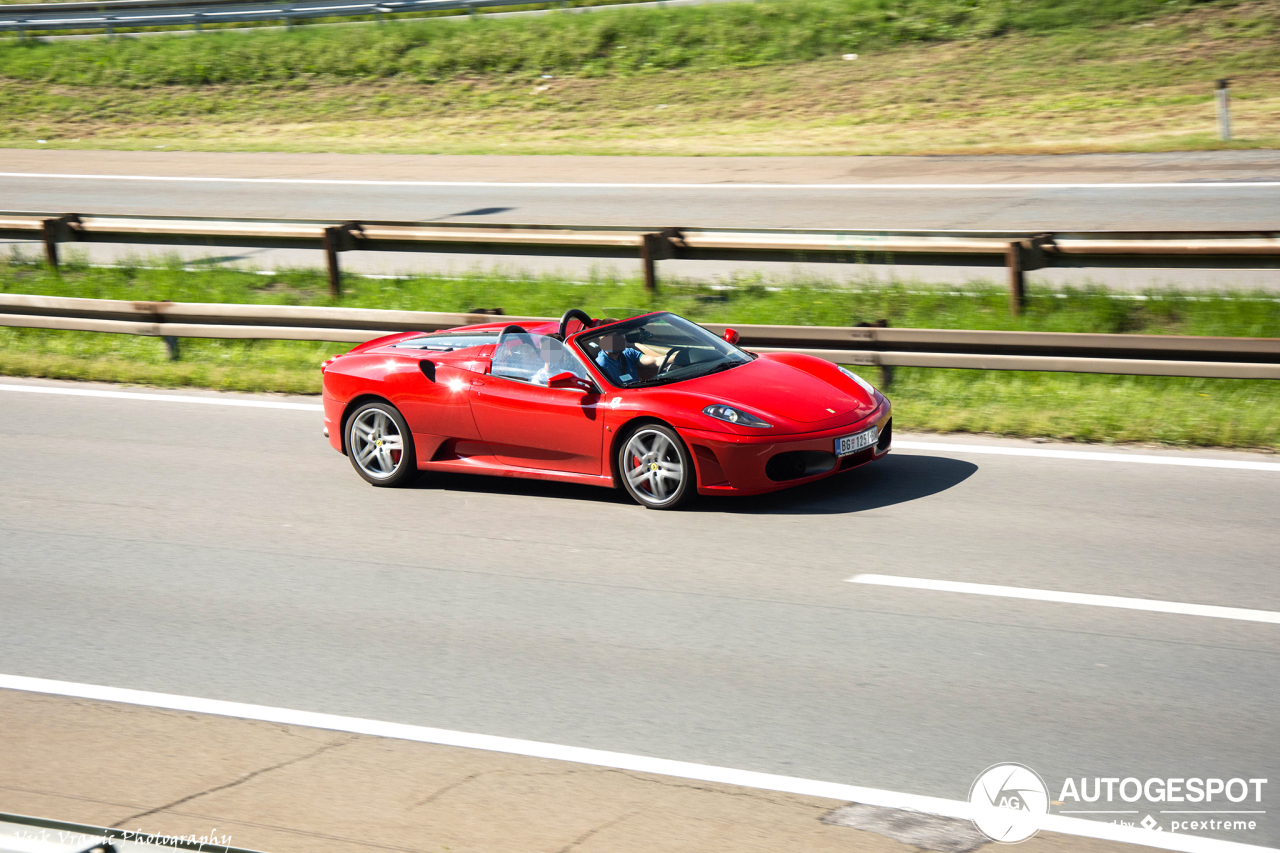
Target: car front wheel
(380, 445)
(655, 467)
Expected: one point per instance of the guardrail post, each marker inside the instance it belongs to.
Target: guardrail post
(198, 15)
(51, 243)
(668, 243)
(649, 248)
(339, 238)
(55, 232)
(886, 370)
(1224, 109)
(1021, 256)
(1017, 284)
(171, 346)
(332, 239)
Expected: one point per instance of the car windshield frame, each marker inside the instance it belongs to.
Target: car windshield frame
(729, 355)
(449, 341)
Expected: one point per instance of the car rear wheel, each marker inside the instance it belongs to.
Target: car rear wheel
(656, 468)
(380, 445)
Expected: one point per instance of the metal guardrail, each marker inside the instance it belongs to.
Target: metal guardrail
(1017, 252)
(111, 15)
(1142, 355)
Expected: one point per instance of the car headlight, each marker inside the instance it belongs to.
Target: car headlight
(734, 416)
(864, 384)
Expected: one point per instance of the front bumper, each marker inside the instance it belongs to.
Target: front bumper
(333, 409)
(729, 463)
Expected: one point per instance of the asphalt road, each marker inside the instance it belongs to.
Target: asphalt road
(1191, 191)
(230, 553)
(1227, 190)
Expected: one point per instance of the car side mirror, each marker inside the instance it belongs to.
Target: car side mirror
(731, 335)
(567, 379)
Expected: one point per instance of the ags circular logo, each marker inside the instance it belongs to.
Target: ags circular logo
(1008, 801)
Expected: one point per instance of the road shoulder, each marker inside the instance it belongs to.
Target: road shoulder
(288, 788)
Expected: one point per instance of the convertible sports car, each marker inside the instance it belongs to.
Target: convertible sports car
(651, 402)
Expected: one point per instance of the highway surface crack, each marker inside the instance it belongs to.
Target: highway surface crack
(451, 786)
(590, 832)
(245, 778)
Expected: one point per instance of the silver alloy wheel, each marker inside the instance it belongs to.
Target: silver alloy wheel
(375, 443)
(652, 466)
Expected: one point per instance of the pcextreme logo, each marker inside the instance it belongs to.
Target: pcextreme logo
(1008, 802)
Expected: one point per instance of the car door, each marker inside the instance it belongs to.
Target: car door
(437, 408)
(530, 425)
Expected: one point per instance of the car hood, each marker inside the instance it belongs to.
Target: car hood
(801, 389)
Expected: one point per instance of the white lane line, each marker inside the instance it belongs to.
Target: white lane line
(347, 182)
(1080, 827)
(164, 398)
(1149, 604)
(1088, 456)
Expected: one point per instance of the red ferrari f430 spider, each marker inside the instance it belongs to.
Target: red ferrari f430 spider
(652, 403)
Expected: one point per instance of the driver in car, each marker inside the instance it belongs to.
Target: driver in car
(621, 363)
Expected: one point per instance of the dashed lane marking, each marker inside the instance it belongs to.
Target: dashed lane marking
(1148, 604)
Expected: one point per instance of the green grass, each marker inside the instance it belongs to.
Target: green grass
(933, 76)
(809, 301)
(621, 42)
(515, 6)
(1200, 412)
(1076, 407)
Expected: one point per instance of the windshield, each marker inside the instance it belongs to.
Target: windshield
(657, 350)
(449, 341)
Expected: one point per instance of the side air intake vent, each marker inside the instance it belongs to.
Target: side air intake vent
(886, 437)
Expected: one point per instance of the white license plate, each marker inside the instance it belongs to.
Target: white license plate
(847, 444)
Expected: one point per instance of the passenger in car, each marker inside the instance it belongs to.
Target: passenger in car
(556, 359)
(516, 359)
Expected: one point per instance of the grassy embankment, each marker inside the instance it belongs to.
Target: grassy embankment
(751, 78)
(513, 6)
(1229, 413)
